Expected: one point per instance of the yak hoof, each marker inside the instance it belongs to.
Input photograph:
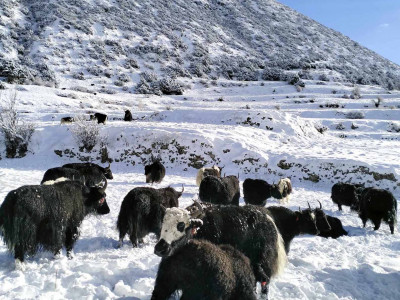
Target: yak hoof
(69, 255)
(120, 243)
(19, 265)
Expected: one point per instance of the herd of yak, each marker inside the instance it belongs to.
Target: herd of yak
(213, 249)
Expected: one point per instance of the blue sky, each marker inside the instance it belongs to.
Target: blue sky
(374, 24)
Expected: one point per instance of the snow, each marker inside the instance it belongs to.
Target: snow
(363, 265)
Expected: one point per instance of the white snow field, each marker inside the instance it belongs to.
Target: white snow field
(259, 130)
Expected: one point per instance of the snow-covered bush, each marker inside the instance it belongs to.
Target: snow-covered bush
(355, 93)
(17, 134)
(86, 133)
(169, 86)
(272, 74)
(355, 115)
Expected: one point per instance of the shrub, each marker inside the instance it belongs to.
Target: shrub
(17, 134)
(356, 94)
(355, 115)
(86, 133)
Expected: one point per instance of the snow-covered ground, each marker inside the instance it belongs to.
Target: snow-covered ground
(258, 130)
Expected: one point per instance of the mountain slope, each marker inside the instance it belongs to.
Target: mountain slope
(111, 42)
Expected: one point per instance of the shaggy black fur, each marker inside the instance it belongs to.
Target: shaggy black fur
(86, 167)
(101, 118)
(223, 190)
(336, 230)
(90, 177)
(128, 116)
(202, 271)
(246, 228)
(377, 205)
(256, 191)
(47, 216)
(293, 223)
(142, 212)
(67, 120)
(346, 194)
(154, 172)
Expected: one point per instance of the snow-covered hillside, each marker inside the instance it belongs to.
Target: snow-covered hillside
(257, 129)
(115, 44)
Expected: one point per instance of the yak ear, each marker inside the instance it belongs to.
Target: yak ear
(196, 223)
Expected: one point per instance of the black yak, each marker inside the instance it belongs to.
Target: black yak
(346, 194)
(154, 172)
(223, 190)
(87, 166)
(246, 228)
(256, 191)
(204, 172)
(202, 270)
(336, 230)
(293, 223)
(101, 118)
(89, 176)
(377, 205)
(128, 116)
(47, 216)
(142, 212)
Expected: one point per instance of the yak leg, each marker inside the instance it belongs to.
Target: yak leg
(391, 226)
(163, 288)
(339, 206)
(19, 253)
(377, 223)
(133, 236)
(70, 239)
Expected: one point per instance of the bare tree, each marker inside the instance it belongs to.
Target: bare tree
(17, 133)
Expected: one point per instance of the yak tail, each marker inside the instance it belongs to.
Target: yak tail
(281, 259)
(393, 212)
(281, 256)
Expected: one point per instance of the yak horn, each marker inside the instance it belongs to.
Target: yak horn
(183, 188)
(309, 205)
(320, 205)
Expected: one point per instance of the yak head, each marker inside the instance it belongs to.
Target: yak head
(177, 229)
(322, 222)
(107, 172)
(96, 201)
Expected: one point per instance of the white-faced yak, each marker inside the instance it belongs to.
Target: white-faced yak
(246, 228)
(204, 172)
(202, 270)
(47, 216)
(142, 212)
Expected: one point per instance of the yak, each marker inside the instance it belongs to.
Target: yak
(346, 194)
(204, 172)
(293, 223)
(154, 172)
(101, 118)
(67, 120)
(377, 205)
(246, 228)
(90, 177)
(256, 191)
(203, 270)
(223, 190)
(142, 212)
(87, 166)
(128, 116)
(282, 190)
(47, 216)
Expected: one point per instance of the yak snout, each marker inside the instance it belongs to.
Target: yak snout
(103, 209)
(162, 248)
